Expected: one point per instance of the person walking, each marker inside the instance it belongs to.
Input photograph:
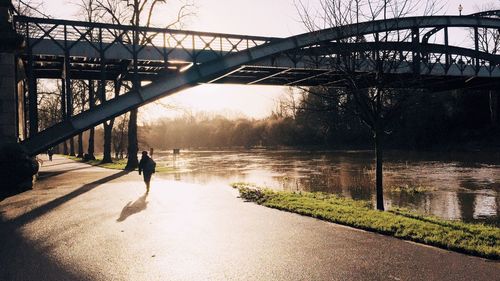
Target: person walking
(50, 152)
(147, 168)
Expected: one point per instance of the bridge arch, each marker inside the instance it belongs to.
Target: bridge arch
(211, 70)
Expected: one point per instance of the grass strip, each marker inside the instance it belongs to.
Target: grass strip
(474, 239)
(118, 164)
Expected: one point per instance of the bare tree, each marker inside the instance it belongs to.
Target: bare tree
(374, 95)
(489, 42)
(79, 90)
(136, 13)
(29, 8)
(120, 136)
(90, 13)
(91, 144)
(49, 107)
(108, 127)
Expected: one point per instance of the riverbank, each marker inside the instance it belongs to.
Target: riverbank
(474, 239)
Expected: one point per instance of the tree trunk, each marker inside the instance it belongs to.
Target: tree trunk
(133, 146)
(91, 147)
(65, 148)
(379, 168)
(80, 145)
(108, 129)
(72, 147)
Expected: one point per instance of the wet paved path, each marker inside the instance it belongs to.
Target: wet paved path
(88, 223)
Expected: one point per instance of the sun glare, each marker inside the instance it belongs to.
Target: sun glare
(232, 101)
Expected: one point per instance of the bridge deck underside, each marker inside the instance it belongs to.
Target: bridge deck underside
(282, 76)
(52, 67)
(279, 73)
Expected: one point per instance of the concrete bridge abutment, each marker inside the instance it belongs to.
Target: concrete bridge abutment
(16, 167)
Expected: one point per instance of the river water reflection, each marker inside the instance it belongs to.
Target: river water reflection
(462, 186)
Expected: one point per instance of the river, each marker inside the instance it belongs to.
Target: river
(458, 186)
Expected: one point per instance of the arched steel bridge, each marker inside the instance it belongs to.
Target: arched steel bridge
(174, 60)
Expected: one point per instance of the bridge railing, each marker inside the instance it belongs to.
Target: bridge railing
(65, 34)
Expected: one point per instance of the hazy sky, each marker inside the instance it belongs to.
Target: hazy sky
(253, 17)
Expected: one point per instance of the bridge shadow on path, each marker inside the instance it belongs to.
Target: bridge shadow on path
(44, 175)
(49, 164)
(22, 259)
(41, 176)
(5, 193)
(137, 206)
(46, 208)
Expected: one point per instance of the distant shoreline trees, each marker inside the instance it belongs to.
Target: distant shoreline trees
(435, 121)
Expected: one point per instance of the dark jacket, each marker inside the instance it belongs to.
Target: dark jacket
(147, 165)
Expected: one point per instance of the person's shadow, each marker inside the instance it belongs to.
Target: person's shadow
(137, 206)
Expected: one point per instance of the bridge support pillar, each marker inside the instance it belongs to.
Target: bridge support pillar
(9, 44)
